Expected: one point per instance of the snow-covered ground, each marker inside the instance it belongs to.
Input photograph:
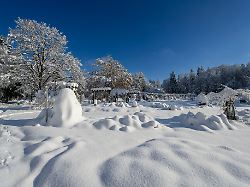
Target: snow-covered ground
(120, 145)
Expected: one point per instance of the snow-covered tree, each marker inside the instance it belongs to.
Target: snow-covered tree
(43, 55)
(6, 63)
(74, 73)
(200, 80)
(109, 72)
(173, 83)
(183, 83)
(155, 83)
(8, 85)
(4, 51)
(191, 88)
(211, 79)
(139, 82)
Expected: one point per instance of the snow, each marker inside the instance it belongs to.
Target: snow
(244, 116)
(221, 97)
(202, 99)
(128, 123)
(67, 111)
(67, 84)
(5, 138)
(134, 103)
(163, 162)
(101, 89)
(199, 121)
(244, 94)
(134, 146)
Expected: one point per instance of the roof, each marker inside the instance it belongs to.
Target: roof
(101, 89)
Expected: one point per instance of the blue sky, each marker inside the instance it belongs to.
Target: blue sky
(152, 36)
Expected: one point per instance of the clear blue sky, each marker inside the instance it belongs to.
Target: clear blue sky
(152, 36)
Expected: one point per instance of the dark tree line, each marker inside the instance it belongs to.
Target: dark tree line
(209, 80)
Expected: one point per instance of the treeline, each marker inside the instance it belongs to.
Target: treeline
(208, 80)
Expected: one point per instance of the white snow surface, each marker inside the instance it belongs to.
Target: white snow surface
(199, 121)
(222, 96)
(129, 123)
(67, 111)
(132, 146)
(202, 99)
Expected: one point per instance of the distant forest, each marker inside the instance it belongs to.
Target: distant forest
(208, 80)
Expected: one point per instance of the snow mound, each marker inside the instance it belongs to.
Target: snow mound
(174, 162)
(244, 95)
(202, 99)
(5, 134)
(244, 116)
(200, 122)
(128, 123)
(112, 104)
(89, 109)
(162, 105)
(134, 104)
(6, 139)
(118, 109)
(105, 124)
(52, 150)
(143, 117)
(221, 97)
(175, 107)
(42, 116)
(115, 107)
(121, 104)
(67, 111)
(159, 105)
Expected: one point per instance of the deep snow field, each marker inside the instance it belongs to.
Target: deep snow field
(121, 145)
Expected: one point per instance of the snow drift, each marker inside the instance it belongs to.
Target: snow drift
(221, 97)
(244, 116)
(202, 99)
(128, 123)
(199, 121)
(161, 105)
(67, 111)
(172, 162)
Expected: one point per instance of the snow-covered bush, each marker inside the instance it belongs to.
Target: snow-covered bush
(201, 99)
(129, 123)
(243, 95)
(221, 97)
(67, 110)
(199, 121)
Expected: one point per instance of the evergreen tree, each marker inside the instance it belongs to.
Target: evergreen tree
(173, 83)
(191, 81)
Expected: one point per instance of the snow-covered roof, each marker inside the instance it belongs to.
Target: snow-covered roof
(101, 89)
(134, 91)
(67, 84)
